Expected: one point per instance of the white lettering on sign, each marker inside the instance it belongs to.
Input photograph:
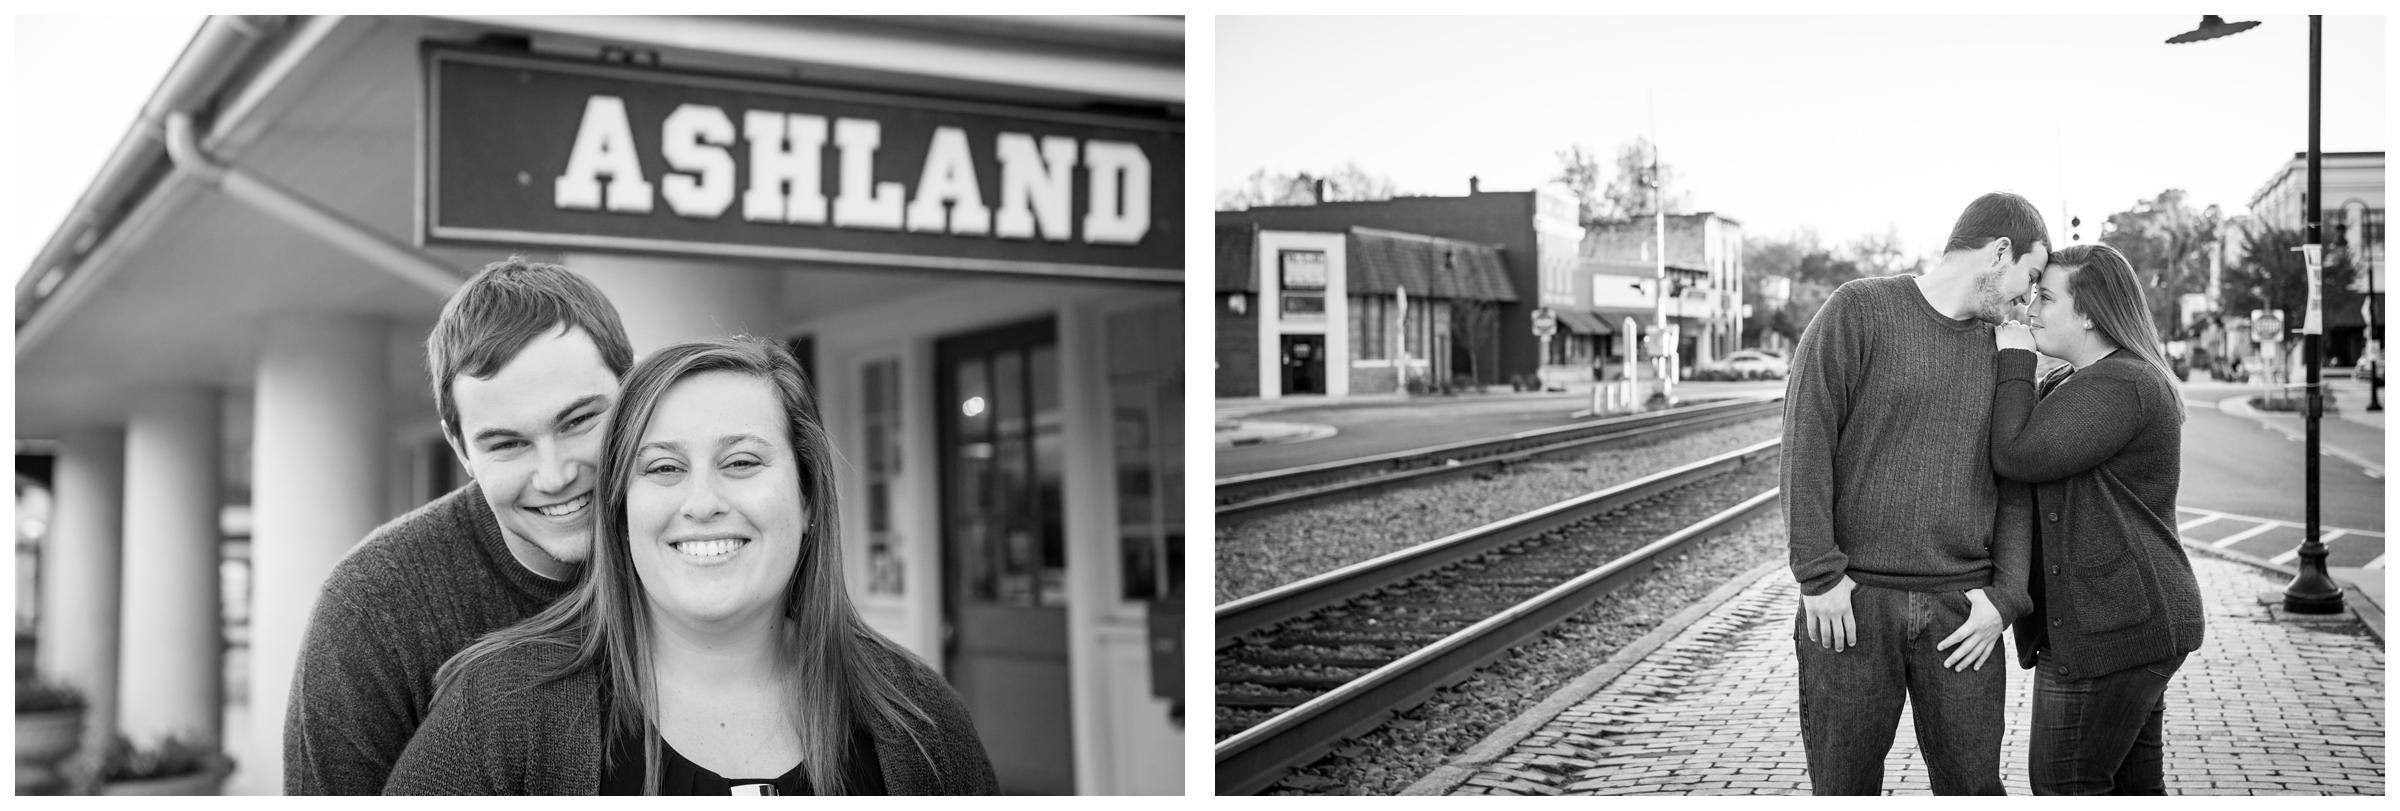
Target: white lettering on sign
(603, 146)
(1036, 188)
(864, 203)
(696, 138)
(785, 182)
(949, 182)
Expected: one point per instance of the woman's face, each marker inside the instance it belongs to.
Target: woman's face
(714, 510)
(2052, 314)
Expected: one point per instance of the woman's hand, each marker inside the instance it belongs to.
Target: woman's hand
(2015, 335)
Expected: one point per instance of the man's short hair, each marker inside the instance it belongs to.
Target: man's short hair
(504, 307)
(1995, 215)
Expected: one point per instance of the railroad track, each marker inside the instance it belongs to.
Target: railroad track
(1304, 666)
(1254, 495)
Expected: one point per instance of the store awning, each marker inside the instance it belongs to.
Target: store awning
(1583, 322)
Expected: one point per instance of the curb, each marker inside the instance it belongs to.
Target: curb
(1281, 432)
(2239, 406)
(1501, 741)
(2354, 600)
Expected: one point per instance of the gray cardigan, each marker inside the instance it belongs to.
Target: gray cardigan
(2103, 447)
(504, 730)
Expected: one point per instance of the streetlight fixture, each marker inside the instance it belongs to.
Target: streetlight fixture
(2313, 590)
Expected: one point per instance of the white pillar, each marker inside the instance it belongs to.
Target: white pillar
(317, 488)
(173, 647)
(82, 561)
(663, 301)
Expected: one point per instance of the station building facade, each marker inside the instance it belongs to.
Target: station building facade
(1535, 232)
(970, 231)
(1356, 311)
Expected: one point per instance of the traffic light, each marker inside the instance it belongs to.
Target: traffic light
(2075, 222)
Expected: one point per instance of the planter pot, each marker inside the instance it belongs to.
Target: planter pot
(195, 784)
(44, 739)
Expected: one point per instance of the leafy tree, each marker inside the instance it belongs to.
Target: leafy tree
(1347, 182)
(1579, 171)
(2168, 244)
(1813, 271)
(2274, 276)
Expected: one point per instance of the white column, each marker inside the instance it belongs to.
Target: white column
(317, 488)
(663, 301)
(81, 565)
(173, 646)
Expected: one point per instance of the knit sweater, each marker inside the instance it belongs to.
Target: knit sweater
(508, 728)
(2103, 447)
(1887, 477)
(416, 591)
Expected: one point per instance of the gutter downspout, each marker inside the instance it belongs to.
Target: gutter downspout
(309, 216)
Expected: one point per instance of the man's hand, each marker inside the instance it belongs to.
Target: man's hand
(2015, 335)
(1980, 635)
(1830, 623)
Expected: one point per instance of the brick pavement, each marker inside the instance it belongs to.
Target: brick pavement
(1713, 710)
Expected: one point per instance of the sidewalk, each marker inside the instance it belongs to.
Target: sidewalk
(2269, 705)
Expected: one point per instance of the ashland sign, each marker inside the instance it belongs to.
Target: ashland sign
(528, 151)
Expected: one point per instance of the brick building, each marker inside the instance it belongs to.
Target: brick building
(1534, 231)
(1617, 276)
(1352, 311)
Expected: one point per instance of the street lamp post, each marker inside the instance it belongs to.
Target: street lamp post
(2313, 590)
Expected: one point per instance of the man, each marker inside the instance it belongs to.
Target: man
(1910, 560)
(524, 364)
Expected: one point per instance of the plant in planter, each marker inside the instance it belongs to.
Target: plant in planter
(173, 766)
(49, 727)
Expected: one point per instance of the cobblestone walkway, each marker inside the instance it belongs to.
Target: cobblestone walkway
(1714, 710)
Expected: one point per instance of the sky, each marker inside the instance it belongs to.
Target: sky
(116, 62)
(1844, 125)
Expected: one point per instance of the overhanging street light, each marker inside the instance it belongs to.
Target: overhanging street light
(2313, 590)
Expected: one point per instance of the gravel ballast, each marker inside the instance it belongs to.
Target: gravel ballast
(1261, 554)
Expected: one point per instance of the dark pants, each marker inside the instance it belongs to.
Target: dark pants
(2101, 735)
(1850, 701)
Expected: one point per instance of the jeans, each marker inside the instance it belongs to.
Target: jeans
(1850, 701)
(2100, 735)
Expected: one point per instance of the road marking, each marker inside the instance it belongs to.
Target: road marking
(2293, 553)
(2377, 563)
(2204, 518)
(2244, 535)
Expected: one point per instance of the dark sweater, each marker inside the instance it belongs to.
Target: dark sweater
(1887, 477)
(506, 728)
(416, 591)
(2103, 447)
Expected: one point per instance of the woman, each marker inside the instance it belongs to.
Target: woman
(711, 647)
(2116, 608)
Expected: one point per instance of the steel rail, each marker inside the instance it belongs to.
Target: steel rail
(1256, 495)
(1254, 759)
(1277, 605)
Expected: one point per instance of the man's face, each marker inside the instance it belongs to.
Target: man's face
(531, 436)
(2012, 280)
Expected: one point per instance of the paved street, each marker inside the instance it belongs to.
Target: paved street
(2268, 706)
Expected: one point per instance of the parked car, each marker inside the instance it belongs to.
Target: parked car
(1750, 363)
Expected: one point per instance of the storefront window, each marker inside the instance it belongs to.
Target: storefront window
(1370, 327)
(1145, 378)
(1007, 531)
(1303, 275)
(887, 569)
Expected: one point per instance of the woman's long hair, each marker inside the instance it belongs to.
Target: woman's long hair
(2106, 292)
(605, 620)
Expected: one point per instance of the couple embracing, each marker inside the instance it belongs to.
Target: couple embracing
(1937, 493)
(640, 592)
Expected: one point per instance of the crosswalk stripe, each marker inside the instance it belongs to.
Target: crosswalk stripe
(2244, 535)
(2203, 519)
(2293, 553)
